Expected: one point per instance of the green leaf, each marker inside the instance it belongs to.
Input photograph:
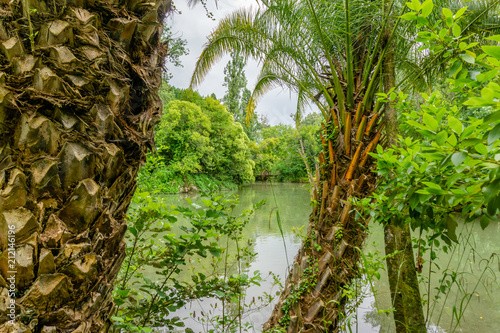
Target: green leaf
(487, 76)
(496, 38)
(481, 149)
(133, 231)
(455, 124)
(460, 12)
(467, 58)
(493, 205)
(447, 13)
(494, 134)
(452, 227)
(457, 31)
(123, 293)
(207, 202)
(487, 94)
(484, 222)
(430, 121)
(414, 200)
(441, 138)
(432, 185)
(443, 32)
(427, 7)
(457, 67)
(490, 191)
(492, 50)
(492, 117)
(458, 158)
(416, 5)
(468, 131)
(452, 139)
(215, 252)
(411, 16)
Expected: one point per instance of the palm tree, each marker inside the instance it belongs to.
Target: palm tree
(78, 103)
(331, 53)
(338, 54)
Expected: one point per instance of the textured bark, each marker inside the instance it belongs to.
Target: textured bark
(78, 103)
(312, 297)
(405, 292)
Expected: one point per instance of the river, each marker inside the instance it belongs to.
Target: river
(482, 313)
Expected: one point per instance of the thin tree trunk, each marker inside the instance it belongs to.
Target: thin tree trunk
(78, 104)
(403, 282)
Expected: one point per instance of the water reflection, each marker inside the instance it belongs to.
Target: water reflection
(292, 200)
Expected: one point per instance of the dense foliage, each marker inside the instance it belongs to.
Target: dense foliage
(279, 148)
(449, 159)
(197, 135)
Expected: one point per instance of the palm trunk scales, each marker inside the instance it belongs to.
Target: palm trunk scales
(78, 103)
(312, 298)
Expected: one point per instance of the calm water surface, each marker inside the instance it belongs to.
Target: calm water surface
(292, 200)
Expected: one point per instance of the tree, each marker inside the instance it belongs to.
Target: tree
(231, 155)
(237, 95)
(183, 137)
(78, 92)
(339, 68)
(301, 50)
(235, 82)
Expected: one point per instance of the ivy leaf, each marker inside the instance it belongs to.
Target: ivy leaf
(458, 158)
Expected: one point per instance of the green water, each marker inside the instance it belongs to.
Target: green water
(292, 201)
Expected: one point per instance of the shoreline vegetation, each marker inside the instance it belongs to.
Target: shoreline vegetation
(200, 142)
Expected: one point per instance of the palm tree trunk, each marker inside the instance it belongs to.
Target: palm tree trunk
(78, 103)
(312, 299)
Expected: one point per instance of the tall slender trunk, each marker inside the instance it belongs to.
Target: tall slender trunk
(403, 282)
(78, 104)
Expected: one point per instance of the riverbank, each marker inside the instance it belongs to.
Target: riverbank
(167, 183)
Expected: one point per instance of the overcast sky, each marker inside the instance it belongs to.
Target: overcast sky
(194, 26)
